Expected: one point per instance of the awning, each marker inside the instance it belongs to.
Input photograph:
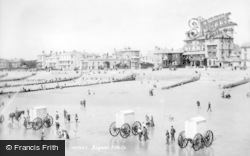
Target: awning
(194, 53)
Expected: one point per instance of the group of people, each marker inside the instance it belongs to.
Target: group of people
(83, 102)
(143, 131)
(63, 134)
(150, 122)
(208, 108)
(225, 94)
(67, 116)
(91, 92)
(172, 134)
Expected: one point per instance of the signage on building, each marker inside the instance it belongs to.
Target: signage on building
(211, 27)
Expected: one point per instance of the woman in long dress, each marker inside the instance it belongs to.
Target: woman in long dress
(145, 134)
(152, 123)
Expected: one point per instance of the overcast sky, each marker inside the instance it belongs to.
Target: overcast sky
(27, 27)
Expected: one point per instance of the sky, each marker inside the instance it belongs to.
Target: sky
(28, 27)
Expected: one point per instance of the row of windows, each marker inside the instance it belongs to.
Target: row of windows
(210, 62)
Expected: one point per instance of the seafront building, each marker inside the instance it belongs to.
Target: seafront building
(4, 64)
(245, 55)
(128, 56)
(164, 57)
(210, 42)
(10, 64)
(60, 60)
(125, 58)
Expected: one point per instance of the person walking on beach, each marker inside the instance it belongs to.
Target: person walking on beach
(65, 113)
(198, 104)
(42, 136)
(167, 137)
(145, 134)
(57, 116)
(209, 107)
(147, 120)
(76, 118)
(68, 117)
(140, 133)
(57, 121)
(84, 102)
(172, 134)
(152, 123)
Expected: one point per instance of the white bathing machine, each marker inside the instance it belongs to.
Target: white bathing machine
(196, 132)
(125, 122)
(38, 117)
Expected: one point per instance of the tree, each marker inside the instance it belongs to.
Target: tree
(29, 64)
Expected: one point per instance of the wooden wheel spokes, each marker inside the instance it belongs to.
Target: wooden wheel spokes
(197, 142)
(125, 130)
(37, 123)
(48, 121)
(1, 119)
(135, 127)
(182, 140)
(208, 138)
(113, 130)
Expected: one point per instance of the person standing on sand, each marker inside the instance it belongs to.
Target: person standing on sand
(209, 107)
(172, 134)
(198, 104)
(167, 137)
(145, 134)
(76, 118)
(140, 133)
(42, 136)
(57, 121)
(84, 102)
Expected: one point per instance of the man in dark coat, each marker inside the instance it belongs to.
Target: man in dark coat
(167, 137)
(209, 107)
(172, 134)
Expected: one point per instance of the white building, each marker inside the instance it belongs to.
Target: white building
(129, 56)
(60, 60)
(245, 55)
(210, 42)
